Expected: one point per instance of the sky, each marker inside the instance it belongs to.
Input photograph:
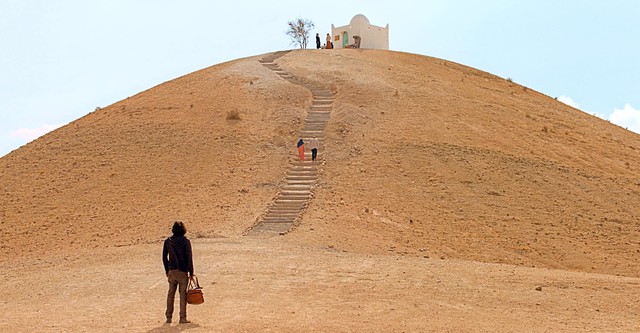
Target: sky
(60, 59)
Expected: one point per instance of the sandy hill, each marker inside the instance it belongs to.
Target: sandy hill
(424, 159)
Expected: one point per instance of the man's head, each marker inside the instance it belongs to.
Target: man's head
(178, 228)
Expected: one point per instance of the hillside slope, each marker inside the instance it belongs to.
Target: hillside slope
(423, 157)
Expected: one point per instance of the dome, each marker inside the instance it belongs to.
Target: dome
(359, 19)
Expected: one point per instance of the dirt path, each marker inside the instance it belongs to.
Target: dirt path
(301, 176)
(267, 284)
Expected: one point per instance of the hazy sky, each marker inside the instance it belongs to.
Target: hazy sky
(60, 59)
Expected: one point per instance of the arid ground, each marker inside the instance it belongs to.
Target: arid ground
(449, 200)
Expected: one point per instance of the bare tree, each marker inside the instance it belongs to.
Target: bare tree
(299, 32)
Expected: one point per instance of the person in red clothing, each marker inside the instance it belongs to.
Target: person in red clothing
(301, 150)
(178, 265)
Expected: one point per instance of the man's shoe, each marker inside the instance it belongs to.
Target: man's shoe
(184, 321)
(168, 321)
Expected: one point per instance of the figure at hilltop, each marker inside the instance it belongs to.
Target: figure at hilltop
(329, 43)
(313, 145)
(178, 266)
(300, 146)
(317, 40)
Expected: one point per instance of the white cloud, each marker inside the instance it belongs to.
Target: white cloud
(627, 117)
(600, 115)
(569, 101)
(30, 134)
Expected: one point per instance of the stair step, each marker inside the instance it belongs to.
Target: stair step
(270, 229)
(295, 193)
(293, 180)
(294, 174)
(302, 171)
(277, 219)
(312, 133)
(317, 120)
(289, 198)
(288, 188)
(291, 215)
(315, 129)
(330, 98)
(320, 108)
(287, 205)
(313, 175)
(284, 211)
(270, 217)
(302, 163)
(321, 102)
(303, 168)
(322, 93)
(301, 177)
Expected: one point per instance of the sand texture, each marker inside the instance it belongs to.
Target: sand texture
(448, 200)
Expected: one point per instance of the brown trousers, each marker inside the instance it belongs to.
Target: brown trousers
(177, 279)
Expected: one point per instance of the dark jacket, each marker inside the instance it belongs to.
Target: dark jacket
(176, 254)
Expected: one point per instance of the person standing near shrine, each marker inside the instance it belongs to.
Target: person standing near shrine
(329, 43)
(317, 40)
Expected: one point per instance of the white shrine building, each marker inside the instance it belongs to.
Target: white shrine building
(372, 37)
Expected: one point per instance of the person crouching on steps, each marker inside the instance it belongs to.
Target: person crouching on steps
(301, 150)
(178, 265)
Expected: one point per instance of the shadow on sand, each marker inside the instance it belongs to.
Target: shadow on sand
(168, 328)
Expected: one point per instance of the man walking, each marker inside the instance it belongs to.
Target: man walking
(313, 145)
(178, 265)
(317, 40)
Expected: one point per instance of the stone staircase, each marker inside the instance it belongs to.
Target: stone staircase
(301, 176)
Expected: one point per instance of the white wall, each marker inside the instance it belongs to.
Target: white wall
(373, 37)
